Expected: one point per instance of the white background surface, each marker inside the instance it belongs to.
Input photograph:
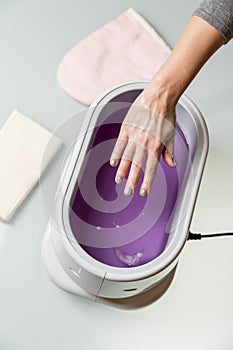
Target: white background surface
(197, 310)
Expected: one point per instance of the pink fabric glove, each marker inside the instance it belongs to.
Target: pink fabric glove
(127, 48)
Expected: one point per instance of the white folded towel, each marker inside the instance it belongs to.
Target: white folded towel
(25, 150)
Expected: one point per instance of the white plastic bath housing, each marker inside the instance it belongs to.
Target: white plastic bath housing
(75, 271)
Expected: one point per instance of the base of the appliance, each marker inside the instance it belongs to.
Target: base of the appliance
(63, 280)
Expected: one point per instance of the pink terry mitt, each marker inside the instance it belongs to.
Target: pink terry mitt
(125, 49)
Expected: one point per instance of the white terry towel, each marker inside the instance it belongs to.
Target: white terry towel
(25, 150)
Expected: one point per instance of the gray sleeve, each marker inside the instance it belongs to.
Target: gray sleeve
(219, 14)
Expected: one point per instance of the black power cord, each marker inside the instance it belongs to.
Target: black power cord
(198, 236)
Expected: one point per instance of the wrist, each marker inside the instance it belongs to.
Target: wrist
(198, 42)
(161, 94)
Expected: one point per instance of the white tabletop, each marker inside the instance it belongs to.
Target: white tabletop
(197, 310)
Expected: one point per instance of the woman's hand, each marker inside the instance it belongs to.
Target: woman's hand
(147, 131)
(149, 127)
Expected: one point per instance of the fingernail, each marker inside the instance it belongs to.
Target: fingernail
(113, 162)
(119, 180)
(128, 191)
(174, 161)
(143, 193)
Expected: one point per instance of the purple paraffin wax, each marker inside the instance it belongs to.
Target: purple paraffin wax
(112, 228)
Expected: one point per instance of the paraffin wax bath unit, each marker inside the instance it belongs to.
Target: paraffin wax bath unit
(104, 245)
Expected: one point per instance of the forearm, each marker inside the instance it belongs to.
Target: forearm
(197, 44)
(155, 135)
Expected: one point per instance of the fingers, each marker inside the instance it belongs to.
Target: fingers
(118, 150)
(150, 171)
(132, 180)
(135, 170)
(134, 156)
(142, 135)
(168, 153)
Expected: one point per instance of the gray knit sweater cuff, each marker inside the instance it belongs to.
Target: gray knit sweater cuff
(219, 14)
